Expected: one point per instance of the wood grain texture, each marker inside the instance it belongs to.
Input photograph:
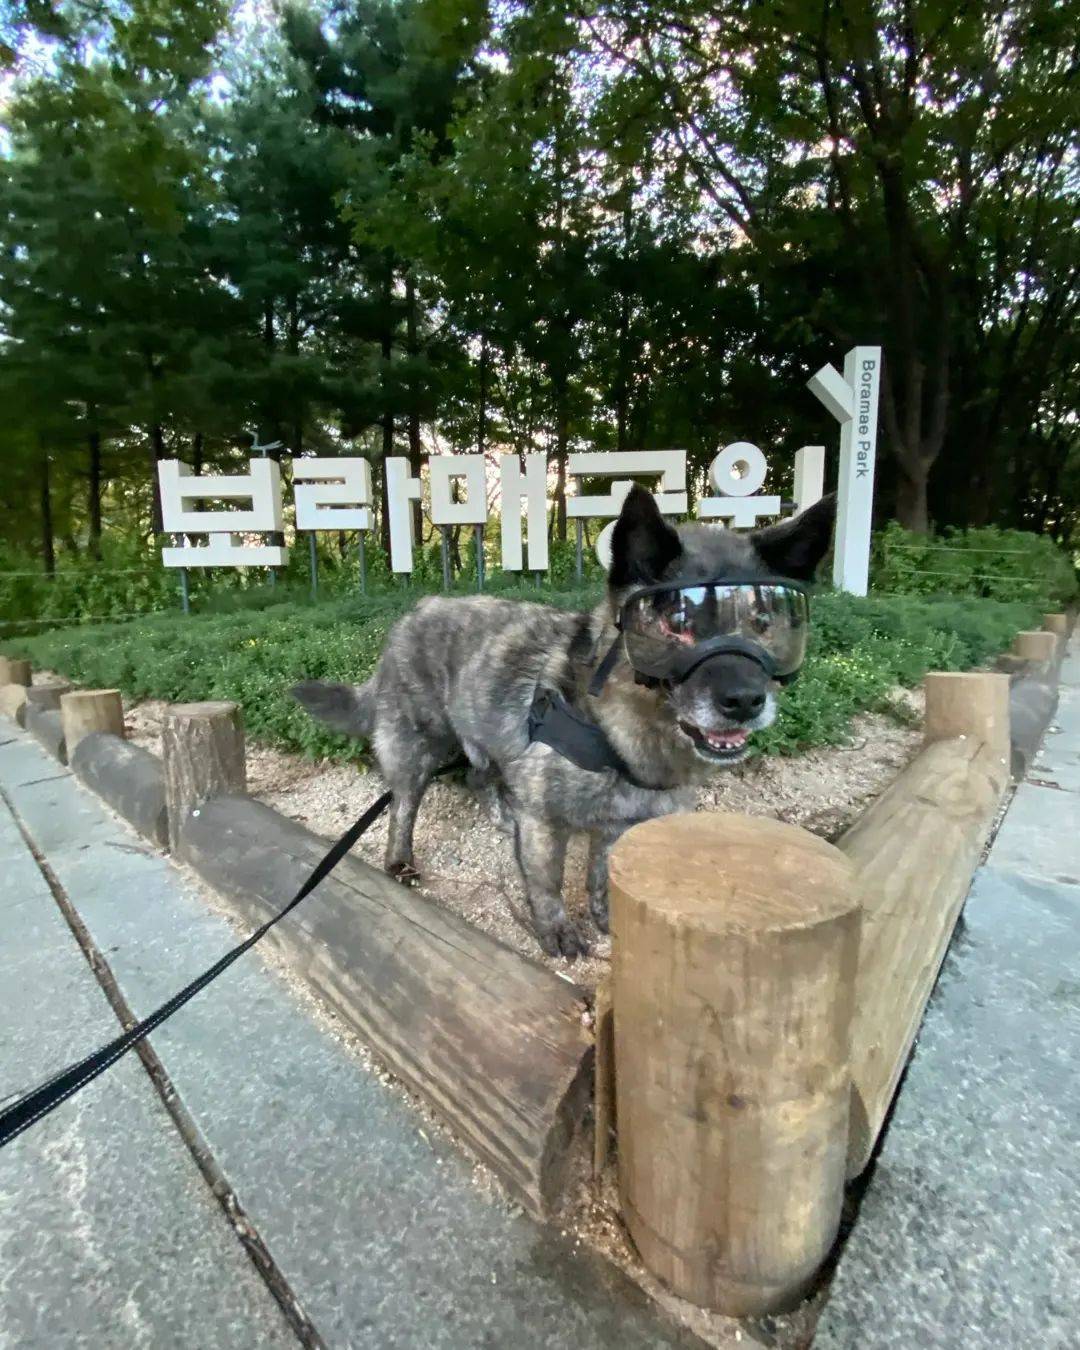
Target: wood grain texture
(128, 777)
(85, 710)
(46, 697)
(1035, 645)
(496, 1044)
(202, 751)
(13, 702)
(968, 703)
(604, 1077)
(47, 728)
(735, 944)
(914, 850)
(14, 671)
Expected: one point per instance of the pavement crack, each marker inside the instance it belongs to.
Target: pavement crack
(246, 1231)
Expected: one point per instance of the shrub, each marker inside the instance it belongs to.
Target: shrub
(997, 564)
(860, 650)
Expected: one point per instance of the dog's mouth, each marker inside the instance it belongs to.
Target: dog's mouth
(722, 747)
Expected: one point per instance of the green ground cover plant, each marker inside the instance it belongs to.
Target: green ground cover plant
(860, 651)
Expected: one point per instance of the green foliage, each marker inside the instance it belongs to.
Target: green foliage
(126, 581)
(999, 564)
(861, 649)
(372, 226)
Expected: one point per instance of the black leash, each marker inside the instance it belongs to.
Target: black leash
(31, 1107)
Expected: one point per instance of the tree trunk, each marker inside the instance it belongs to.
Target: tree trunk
(387, 352)
(157, 452)
(94, 493)
(48, 549)
(622, 384)
(296, 443)
(562, 437)
(481, 419)
(412, 346)
(911, 504)
(197, 454)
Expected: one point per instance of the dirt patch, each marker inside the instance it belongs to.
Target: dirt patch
(467, 862)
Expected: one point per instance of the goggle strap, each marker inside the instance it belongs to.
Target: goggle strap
(604, 669)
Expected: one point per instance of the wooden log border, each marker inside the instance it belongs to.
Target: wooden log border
(539, 1191)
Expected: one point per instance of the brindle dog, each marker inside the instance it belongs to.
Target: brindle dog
(459, 676)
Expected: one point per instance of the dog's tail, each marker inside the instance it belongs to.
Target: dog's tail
(345, 707)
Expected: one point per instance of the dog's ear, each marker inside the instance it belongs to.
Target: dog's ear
(796, 546)
(643, 544)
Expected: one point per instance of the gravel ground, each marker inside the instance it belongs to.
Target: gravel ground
(467, 863)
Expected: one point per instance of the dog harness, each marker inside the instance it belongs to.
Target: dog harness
(553, 722)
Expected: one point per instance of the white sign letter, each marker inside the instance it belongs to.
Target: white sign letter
(737, 472)
(443, 469)
(853, 401)
(671, 499)
(181, 490)
(332, 494)
(669, 464)
(532, 485)
(401, 492)
(809, 476)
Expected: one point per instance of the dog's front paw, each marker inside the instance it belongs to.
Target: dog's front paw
(404, 872)
(562, 938)
(598, 908)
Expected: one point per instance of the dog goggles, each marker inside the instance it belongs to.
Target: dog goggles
(668, 631)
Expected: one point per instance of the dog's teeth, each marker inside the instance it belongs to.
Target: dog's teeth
(725, 740)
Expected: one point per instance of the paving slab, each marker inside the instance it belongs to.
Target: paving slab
(969, 1232)
(109, 1235)
(378, 1227)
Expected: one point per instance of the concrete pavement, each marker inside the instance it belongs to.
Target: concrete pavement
(109, 1233)
(969, 1233)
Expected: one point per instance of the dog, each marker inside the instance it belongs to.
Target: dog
(460, 676)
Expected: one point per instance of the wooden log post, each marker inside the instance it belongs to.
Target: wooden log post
(915, 850)
(603, 1076)
(963, 704)
(735, 942)
(1035, 645)
(85, 710)
(1058, 624)
(202, 748)
(46, 697)
(13, 702)
(14, 671)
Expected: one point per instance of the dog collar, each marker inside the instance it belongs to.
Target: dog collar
(553, 722)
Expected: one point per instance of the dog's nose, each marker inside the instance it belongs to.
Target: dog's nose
(742, 705)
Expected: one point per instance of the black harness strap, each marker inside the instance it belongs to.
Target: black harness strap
(31, 1107)
(552, 721)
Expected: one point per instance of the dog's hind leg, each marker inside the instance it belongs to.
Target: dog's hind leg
(541, 855)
